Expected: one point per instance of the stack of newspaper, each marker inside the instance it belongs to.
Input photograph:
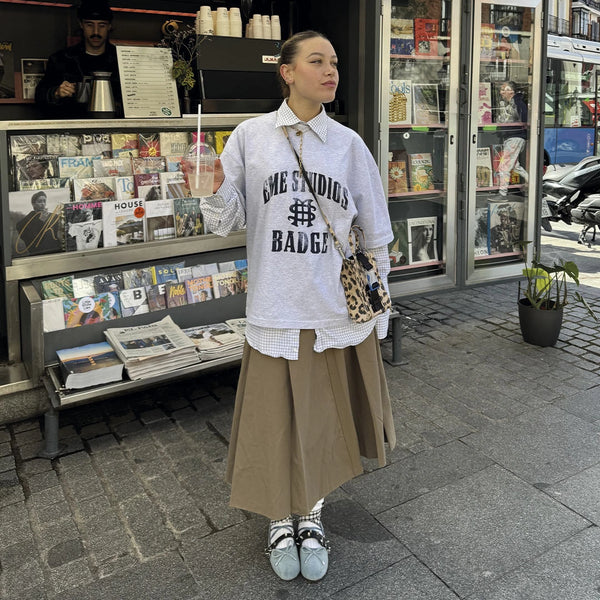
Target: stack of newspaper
(218, 340)
(153, 349)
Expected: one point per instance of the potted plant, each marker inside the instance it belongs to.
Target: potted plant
(544, 298)
(184, 44)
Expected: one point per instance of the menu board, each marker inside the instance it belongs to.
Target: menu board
(149, 89)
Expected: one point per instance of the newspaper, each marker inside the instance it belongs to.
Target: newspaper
(216, 340)
(161, 338)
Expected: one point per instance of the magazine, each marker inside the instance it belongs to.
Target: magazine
(505, 224)
(398, 247)
(94, 188)
(31, 143)
(91, 309)
(485, 103)
(134, 301)
(484, 167)
(123, 222)
(402, 37)
(64, 144)
(53, 183)
(426, 104)
(174, 185)
(157, 299)
(176, 294)
(397, 177)
(199, 289)
(173, 143)
(421, 172)
(133, 278)
(53, 314)
(160, 221)
(125, 188)
(111, 167)
(427, 32)
(36, 221)
(32, 72)
(76, 166)
(226, 284)
(481, 231)
(83, 225)
(59, 287)
(148, 144)
(400, 102)
(422, 240)
(188, 218)
(96, 144)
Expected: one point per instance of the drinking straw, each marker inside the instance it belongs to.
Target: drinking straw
(198, 140)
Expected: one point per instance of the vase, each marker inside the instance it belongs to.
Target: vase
(538, 326)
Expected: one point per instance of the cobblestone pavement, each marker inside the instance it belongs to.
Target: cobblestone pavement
(490, 494)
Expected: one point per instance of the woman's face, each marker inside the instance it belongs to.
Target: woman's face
(428, 233)
(313, 75)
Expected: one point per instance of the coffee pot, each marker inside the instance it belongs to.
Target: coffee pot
(102, 102)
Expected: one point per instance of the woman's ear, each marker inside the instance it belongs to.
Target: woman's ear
(286, 73)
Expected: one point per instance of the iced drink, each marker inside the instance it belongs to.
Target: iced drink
(198, 165)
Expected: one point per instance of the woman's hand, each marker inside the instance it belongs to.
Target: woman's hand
(219, 175)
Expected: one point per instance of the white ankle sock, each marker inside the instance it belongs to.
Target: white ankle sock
(278, 528)
(306, 522)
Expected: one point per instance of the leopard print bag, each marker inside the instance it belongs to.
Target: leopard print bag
(366, 296)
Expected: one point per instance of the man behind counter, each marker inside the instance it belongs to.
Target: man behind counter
(66, 87)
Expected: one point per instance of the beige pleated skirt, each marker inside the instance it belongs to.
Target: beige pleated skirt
(300, 427)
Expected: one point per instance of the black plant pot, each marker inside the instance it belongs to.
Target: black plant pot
(539, 327)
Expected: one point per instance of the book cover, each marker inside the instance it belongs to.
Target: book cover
(427, 32)
(160, 221)
(75, 166)
(421, 172)
(45, 184)
(53, 315)
(86, 366)
(487, 40)
(188, 218)
(32, 72)
(400, 102)
(481, 231)
(173, 163)
(166, 272)
(205, 269)
(426, 104)
(221, 138)
(111, 167)
(199, 289)
(91, 309)
(35, 166)
(124, 144)
(505, 225)
(398, 247)
(124, 188)
(156, 296)
(149, 144)
(83, 225)
(123, 222)
(134, 301)
(243, 278)
(497, 154)
(31, 143)
(484, 167)
(176, 294)
(184, 273)
(225, 284)
(147, 186)
(148, 164)
(83, 286)
(397, 177)
(7, 70)
(36, 221)
(173, 143)
(59, 287)
(94, 188)
(108, 282)
(174, 185)
(96, 144)
(402, 37)
(141, 277)
(485, 103)
(422, 240)
(64, 144)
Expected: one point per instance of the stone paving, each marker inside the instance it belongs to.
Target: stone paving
(491, 493)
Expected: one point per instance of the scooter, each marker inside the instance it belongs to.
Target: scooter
(560, 197)
(587, 213)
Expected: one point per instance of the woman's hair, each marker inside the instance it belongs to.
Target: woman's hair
(288, 54)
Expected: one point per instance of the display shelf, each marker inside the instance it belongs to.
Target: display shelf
(416, 195)
(417, 57)
(418, 128)
(60, 397)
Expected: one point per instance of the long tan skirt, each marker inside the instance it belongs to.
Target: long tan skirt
(300, 427)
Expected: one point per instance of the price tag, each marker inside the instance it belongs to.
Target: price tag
(546, 212)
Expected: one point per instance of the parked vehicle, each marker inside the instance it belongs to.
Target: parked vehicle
(574, 198)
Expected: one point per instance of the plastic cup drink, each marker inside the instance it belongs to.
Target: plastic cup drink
(198, 164)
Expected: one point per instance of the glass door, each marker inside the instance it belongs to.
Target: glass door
(504, 134)
(419, 59)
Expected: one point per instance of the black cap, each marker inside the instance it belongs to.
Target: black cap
(94, 10)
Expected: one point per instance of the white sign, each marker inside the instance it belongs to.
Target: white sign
(147, 83)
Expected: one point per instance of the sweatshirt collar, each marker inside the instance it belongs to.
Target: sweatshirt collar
(287, 118)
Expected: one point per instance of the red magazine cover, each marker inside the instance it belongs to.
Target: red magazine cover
(426, 36)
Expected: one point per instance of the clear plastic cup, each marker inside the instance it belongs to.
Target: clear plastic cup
(198, 165)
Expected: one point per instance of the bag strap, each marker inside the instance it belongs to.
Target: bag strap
(336, 242)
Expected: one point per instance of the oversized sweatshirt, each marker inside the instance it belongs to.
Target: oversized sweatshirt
(293, 266)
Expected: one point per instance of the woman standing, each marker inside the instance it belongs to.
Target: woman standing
(312, 396)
